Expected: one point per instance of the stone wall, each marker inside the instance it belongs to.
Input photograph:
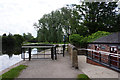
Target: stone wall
(72, 50)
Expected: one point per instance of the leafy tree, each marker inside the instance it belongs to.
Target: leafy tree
(11, 44)
(100, 16)
(18, 42)
(8, 44)
(75, 39)
(50, 28)
(81, 41)
(4, 34)
(27, 37)
(83, 19)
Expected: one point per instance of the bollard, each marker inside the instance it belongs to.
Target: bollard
(29, 54)
(55, 53)
(52, 53)
(75, 58)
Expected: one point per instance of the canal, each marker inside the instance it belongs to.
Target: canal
(6, 61)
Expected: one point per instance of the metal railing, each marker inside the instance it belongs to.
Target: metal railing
(109, 60)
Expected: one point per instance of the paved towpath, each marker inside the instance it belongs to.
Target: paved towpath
(94, 71)
(47, 68)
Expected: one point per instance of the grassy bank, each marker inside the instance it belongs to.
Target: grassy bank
(13, 73)
(82, 77)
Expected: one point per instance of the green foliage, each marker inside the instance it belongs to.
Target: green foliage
(50, 28)
(81, 41)
(84, 19)
(13, 73)
(8, 44)
(75, 39)
(82, 77)
(27, 37)
(11, 44)
(96, 35)
(100, 16)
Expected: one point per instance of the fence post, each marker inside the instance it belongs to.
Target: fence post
(75, 58)
(99, 57)
(109, 59)
(55, 54)
(29, 54)
(52, 53)
(63, 50)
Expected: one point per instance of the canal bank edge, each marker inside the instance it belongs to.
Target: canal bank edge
(15, 65)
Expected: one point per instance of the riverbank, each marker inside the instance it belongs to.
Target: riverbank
(13, 73)
(6, 61)
(15, 65)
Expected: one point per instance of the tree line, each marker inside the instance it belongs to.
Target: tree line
(83, 19)
(11, 44)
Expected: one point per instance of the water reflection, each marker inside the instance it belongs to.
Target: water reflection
(9, 60)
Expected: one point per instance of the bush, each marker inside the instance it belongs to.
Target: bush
(81, 41)
(75, 39)
(97, 35)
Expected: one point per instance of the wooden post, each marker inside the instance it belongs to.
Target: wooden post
(29, 54)
(63, 50)
(52, 53)
(99, 57)
(75, 59)
(55, 53)
(109, 59)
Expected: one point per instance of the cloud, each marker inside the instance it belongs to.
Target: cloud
(18, 16)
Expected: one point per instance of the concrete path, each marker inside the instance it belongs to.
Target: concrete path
(47, 68)
(95, 71)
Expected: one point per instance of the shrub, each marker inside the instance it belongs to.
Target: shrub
(81, 41)
(96, 35)
(75, 39)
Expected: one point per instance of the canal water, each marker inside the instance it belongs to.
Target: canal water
(6, 61)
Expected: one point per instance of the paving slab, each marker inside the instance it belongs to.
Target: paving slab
(47, 68)
(94, 71)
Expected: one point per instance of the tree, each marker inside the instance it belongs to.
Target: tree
(100, 16)
(11, 44)
(8, 44)
(27, 37)
(50, 27)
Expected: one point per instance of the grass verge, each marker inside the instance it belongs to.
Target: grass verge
(82, 77)
(13, 73)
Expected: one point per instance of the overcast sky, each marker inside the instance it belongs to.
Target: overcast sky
(18, 16)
